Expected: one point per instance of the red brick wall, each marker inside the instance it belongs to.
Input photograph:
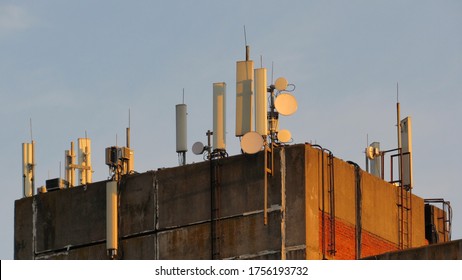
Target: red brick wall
(345, 240)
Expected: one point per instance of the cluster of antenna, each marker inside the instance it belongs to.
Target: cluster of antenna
(375, 156)
(266, 117)
(255, 120)
(119, 159)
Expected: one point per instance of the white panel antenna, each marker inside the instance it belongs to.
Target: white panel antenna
(406, 142)
(261, 102)
(181, 128)
(244, 96)
(219, 116)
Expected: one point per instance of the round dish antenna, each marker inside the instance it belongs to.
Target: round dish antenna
(286, 104)
(252, 142)
(284, 136)
(198, 148)
(281, 83)
(372, 152)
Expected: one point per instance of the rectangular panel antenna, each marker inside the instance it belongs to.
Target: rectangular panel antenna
(219, 116)
(406, 142)
(261, 102)
(28, 169)
(244, 97)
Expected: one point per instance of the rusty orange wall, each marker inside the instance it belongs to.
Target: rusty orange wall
(379, 210)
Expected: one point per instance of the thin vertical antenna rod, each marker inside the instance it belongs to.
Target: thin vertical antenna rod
(128, 130)
(30, 127)
(272, 69)
(247, 48)
(398, 117)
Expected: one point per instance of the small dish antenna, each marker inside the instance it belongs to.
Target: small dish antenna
(372, 152)
(281, 83)
(198, 148)
(284, 136)
(252, 142)
(286, 104)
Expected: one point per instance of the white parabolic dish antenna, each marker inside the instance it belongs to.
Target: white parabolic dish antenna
(286, 104)
(281, 83)
(198, 148)
(251, 142)
(284, 135)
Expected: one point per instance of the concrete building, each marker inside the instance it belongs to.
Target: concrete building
(317, 207)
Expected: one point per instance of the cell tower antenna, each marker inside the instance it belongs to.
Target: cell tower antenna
(245, 36)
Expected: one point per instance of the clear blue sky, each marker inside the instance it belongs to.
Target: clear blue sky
(78, 66)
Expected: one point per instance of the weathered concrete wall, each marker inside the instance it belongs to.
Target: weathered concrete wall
(312, 207)
(165, 214)
(443, 251)
(70, 218)
(23, 229)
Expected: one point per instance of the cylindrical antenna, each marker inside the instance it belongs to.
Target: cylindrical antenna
(261, 61)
